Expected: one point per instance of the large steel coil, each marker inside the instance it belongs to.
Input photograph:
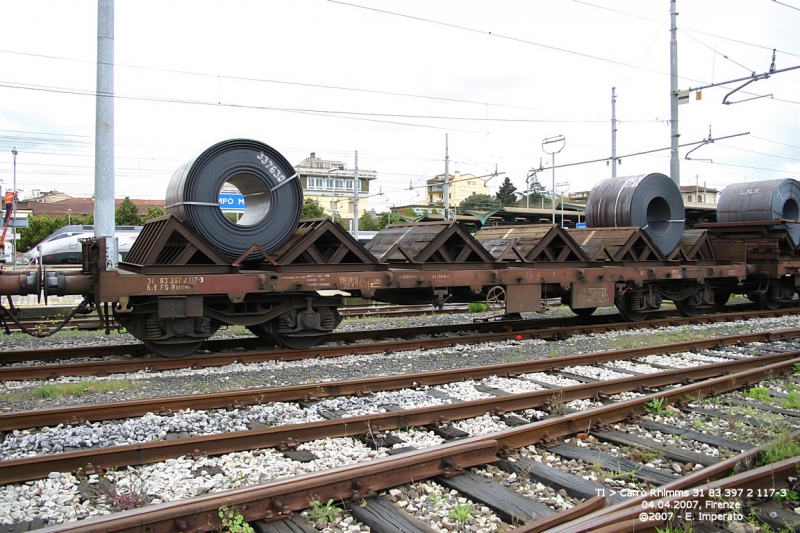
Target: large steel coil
(762, 200)
(650, 201)
(272, 194)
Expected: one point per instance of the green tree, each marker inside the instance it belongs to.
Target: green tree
(478, 202)
(537, 193)
(311, 209)
(38, 228)
(153, 212)
(386, 218)
(127, 214)
(367, 222)
(507, 193)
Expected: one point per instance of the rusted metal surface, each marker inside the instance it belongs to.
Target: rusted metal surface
(562, 517)
(259, 355)
(353, 482)
(616, 244)
(537, 243)
(714, 472)
(695, 245)
(414, 245)
(358, 481)
(765, 477)
(167, 245)
(32, 468)
(43, 417)
(318, 241)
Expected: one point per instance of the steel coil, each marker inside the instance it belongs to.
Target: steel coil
(650, 201)
(272, 194)
(762, 200)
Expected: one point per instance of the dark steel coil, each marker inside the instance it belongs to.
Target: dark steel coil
(650, 201)
(762, 200)
(272, 194)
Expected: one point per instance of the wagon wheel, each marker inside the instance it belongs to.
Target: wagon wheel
(626, 305)
(686, 308)
(180, 347)
(496, 298)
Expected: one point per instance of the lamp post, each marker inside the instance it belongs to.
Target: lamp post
(548, 141)
(69, 217)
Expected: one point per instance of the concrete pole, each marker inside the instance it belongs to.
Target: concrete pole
(356, 188)
(674, 157)
(446, 180)
(13, 219)
(104, 132)
(613, 132)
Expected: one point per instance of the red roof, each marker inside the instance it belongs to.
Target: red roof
(79, 207)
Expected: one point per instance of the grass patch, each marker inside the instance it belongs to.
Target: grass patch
(461, 514)
(779, 449)
(656, 407)
(55, 390)
(327, 512)
(477, 307)
(758, 393)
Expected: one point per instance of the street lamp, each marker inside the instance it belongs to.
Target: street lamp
(548, 141)
(69, 217)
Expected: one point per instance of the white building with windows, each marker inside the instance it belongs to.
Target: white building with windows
(332, 185)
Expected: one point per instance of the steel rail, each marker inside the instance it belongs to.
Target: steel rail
(773, 475)
(252, 343)
(104, 368)
(233, 399)
(612, 321)
(92, 322)
(25, 469)
(281, 498)
(714, 472)
(356, 482)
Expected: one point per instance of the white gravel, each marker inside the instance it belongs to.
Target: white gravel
(60, 497)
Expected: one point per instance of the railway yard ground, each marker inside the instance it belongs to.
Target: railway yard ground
(633, 457)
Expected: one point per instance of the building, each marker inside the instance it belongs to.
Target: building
(699, 195)
(46, 197)
(331, 184)
(76, 207)
(460, 187)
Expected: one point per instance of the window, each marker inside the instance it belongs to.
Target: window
(689, 198)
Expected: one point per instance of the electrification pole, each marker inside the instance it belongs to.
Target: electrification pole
(356, 188)
(674, 156)
(446, 180)
(13, 220)
(613, 132)
(104, 132)
(551, 140)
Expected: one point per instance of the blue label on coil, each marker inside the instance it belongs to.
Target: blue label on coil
(231, 202)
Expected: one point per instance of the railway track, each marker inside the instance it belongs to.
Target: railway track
(48, 316)
(112, 359)
(526, 423)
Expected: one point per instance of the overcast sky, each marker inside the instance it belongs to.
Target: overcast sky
(390, 79)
